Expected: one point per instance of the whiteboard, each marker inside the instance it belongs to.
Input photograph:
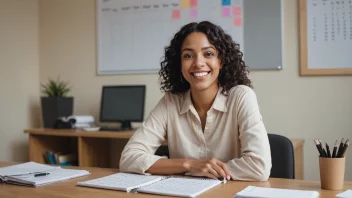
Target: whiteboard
(329, 34)
(132, 34)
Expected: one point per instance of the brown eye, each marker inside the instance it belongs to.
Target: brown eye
(187, 56)
(209, 54)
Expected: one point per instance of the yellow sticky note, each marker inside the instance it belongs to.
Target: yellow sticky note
(185, 4)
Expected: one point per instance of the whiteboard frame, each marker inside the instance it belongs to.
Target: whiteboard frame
(303, 42)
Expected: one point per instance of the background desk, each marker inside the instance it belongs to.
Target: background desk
(102, 149)
(68, 188)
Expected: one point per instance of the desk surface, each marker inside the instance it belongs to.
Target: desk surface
(68, 189)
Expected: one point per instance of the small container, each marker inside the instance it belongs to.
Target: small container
(332, 173)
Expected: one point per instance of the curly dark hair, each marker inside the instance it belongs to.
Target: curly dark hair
(234, 70)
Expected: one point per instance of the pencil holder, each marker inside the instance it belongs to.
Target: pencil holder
(332, 172)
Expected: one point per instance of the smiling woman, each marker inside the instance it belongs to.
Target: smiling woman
(200, 63)
(209, 113)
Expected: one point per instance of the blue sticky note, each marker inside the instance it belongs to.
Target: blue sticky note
(226, 2)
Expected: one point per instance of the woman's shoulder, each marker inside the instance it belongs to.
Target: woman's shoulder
(242, 97)
(171, 98)
(240, 90)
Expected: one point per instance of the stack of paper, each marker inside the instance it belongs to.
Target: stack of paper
(347, 193)
(260, 192)
(34, 174)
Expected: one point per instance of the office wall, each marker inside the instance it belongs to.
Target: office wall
(19, 76)
(294, 106)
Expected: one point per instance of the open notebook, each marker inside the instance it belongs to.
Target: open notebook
(261, 192)
(34, 174)
(172, 186)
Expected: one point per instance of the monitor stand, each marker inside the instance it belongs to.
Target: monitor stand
(125, 126)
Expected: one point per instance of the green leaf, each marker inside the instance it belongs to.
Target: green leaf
(55, 88)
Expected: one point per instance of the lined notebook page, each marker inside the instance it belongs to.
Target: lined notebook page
(25, 168)
(260, 192)
(55, 175)
(183, 187)
(121, 181)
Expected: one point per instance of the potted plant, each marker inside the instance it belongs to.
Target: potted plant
(55, 103)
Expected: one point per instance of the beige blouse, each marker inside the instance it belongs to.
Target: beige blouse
(234, 133)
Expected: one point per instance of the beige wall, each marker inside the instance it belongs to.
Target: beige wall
(294, 106)
(19, 76)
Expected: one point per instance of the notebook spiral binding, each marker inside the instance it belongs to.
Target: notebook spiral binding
(135, 190)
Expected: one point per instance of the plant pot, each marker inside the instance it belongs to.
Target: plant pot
(54, 107)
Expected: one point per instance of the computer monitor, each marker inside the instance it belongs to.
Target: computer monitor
(122, 104)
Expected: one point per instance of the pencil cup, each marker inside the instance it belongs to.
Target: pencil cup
(332, 172)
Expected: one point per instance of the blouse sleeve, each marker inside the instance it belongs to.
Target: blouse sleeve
(255, 161)
(138, 154)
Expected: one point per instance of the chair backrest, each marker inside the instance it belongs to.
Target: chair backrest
(163, 150)
(282, 157)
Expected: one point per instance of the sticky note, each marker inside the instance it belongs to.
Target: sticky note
(237, 11)
(194, 13)
(194, 3)
(175, 14)
(226, 11)
(237, 22)
(185, 4)
(226, 2)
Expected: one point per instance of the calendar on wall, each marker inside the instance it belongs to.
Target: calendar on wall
(326, 37)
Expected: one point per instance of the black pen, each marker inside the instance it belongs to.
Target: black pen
(223, 179)
(322, 148)
(41, 174)
(347, 143)
(327, 149)
(319, 149)
(335, 148)
(340, 148)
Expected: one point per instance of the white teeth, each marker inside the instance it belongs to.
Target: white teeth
(200, 74)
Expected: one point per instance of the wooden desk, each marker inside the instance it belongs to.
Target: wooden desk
(68, 188)
(102, 148)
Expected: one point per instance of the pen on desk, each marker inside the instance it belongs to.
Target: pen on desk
(41, 174)
(327, 149)
(340, 148)
(347, 143)
(223, 180)
(335, 148)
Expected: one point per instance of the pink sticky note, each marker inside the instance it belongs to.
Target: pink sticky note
(237, 11)
(194, 3)
(194, 13)
(237, 22)
(175, 14)
(226, 11)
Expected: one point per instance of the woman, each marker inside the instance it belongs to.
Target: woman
(209, 113)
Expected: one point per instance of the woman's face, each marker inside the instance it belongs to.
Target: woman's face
(200, 64)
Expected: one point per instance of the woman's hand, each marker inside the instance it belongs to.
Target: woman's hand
(212, 168)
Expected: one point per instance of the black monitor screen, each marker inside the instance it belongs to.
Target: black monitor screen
(122, 103)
